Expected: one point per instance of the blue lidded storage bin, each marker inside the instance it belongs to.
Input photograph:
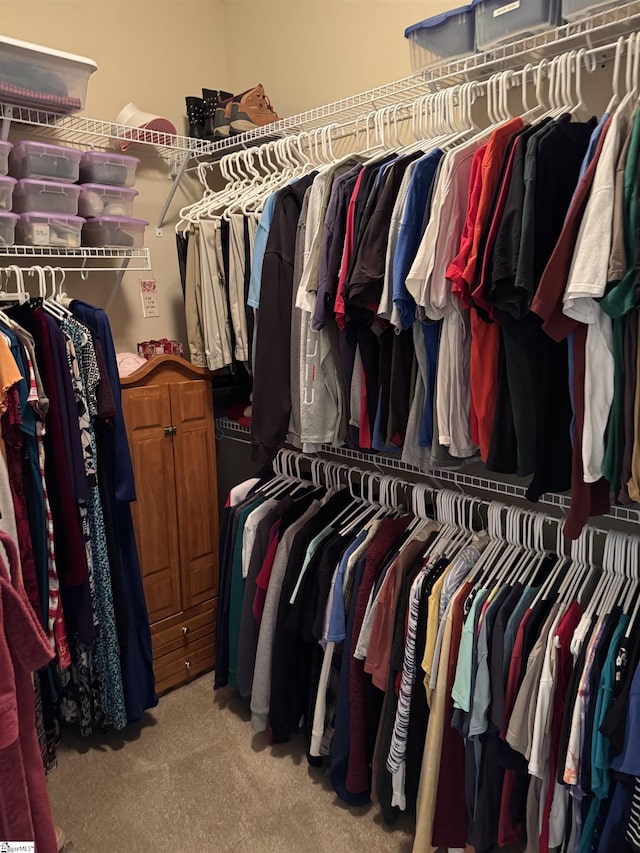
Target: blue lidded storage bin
(449, 35)
(501, 20)
(573, 9)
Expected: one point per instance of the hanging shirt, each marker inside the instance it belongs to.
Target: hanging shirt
(587, 282)
(410, 237)
(259, 248)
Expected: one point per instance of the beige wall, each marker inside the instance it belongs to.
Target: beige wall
(310, 52)
(151, 52)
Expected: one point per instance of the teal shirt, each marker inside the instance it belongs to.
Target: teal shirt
(600, 745)
(461, 691)
(311, 550)
(237, 591)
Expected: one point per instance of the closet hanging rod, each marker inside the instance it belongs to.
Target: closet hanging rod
(289, 463)
(456, 477)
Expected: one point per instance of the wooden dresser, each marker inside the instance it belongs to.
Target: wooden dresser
(168, 410)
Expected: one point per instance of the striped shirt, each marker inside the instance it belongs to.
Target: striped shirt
(397, 758)
(633, 830)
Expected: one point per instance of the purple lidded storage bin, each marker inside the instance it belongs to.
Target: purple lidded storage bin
(41, 160)
(49, 229)
(104, 200)
(7, 228)
(114, 232)
(5, 150)
(7, 185)
(46, 197)
(105, 167)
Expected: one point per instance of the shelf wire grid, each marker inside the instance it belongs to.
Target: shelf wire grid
(459, 478)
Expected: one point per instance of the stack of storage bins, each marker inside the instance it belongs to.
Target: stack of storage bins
(7, 184)
(106, 201)
(484, 24)
(45, 194)
(44, 191)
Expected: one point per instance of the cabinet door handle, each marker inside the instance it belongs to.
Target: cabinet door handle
(185, 630)
(170, 430)
(187, 664)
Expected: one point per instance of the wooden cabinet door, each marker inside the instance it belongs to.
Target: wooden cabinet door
(147, 411)
(196, 489)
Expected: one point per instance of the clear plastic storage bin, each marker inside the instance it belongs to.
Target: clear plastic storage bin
(48, 229)
(45, 197)
(6, 192)
(100, 200)
(114, 232)
(7, 228)
(104, 167)
(500, 20)
(36, 76)
(450, 35)
(5, 150)
(572, 9)
(48, 162)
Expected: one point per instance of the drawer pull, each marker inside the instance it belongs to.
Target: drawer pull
(185, 630)
(187, 664)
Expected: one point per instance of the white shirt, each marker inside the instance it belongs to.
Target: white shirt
(587, 282)
(538, 758)
(423, 262)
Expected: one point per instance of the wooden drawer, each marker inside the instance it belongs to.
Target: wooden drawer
(184, 664)
(177, 632)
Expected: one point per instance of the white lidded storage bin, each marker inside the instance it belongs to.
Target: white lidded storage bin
(7, 228)
(573, 9)
(47, 162)
(450, 35)
(5, 150)
(501, 20)
(49, 229)
(105, 167)
(36, 76)
(45, 197)
(114, 232)
(7, 186)
(102, 200)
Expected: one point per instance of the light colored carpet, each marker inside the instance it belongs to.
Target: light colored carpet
(195, 779)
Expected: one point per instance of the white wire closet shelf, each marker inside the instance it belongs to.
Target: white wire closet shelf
(456, 477)
(600, 28)
(85, 259)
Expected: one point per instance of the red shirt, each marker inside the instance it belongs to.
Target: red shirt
(349, 241)
(358, 773)
(564, 633)
(507, 832)
(485, 337)
(262, 580)
(455, 270)
(25, 813)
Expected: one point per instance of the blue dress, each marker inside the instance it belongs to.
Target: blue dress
(114, 466)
